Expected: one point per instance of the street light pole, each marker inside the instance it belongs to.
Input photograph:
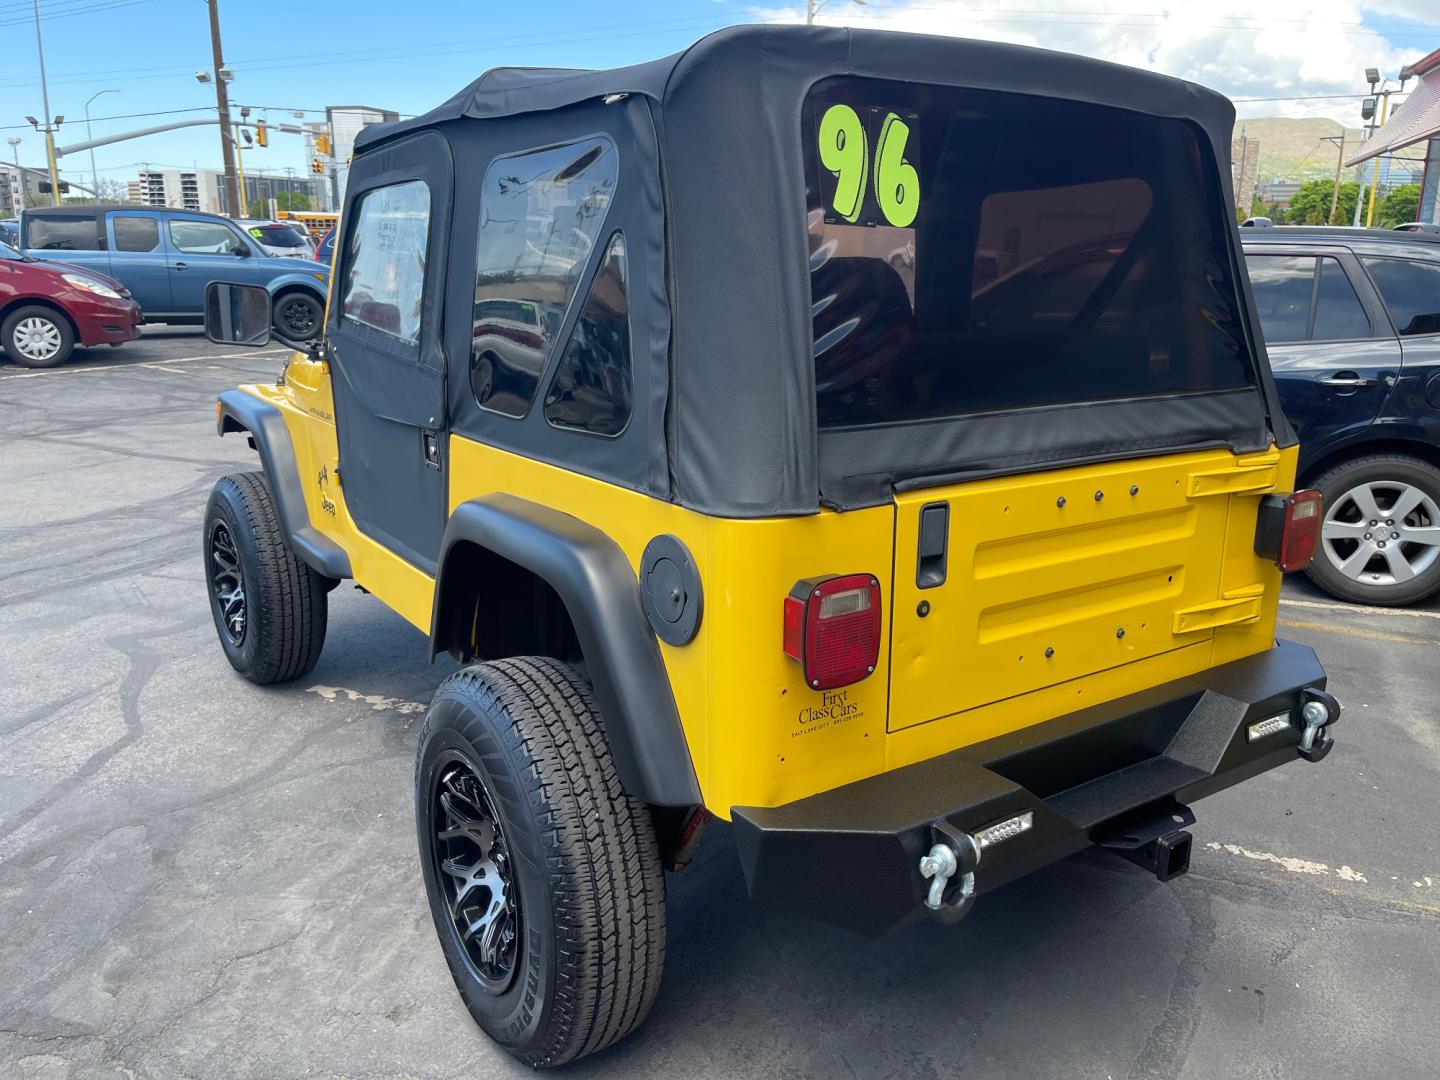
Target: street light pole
(94, 176)
(1375, 171)
(812, 8)
(222, 106)
(45, 98)
(19, 174)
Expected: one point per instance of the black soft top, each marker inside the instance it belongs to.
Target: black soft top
(740, 411)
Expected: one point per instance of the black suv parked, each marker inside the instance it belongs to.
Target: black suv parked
(1352, 321)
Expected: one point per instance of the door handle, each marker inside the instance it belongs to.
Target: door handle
(932, 547)
(1347, 380)
(182, 266)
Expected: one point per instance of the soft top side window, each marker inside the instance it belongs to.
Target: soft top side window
(540, 218)
(591, 390)
(383, 277)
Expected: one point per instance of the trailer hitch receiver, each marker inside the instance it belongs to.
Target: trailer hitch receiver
(1159, 843)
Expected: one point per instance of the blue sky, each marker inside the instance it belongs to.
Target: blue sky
(411, 56)
(402, 56)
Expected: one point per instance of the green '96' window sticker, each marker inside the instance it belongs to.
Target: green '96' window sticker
(865, 172)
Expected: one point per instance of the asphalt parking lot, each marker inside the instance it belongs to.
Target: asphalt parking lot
(200, 878)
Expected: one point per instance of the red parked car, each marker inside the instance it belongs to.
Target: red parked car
(47, 308)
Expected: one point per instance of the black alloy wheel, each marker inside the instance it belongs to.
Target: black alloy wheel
(298, 315)
(269, 607)
(480, 893)
(227, 582)
(542, 875)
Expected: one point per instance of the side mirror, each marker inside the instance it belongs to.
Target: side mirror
(237, 314)
(239, 250)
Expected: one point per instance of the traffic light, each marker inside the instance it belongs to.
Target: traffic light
(262, 137)
(317, 166)
(322, 145)
(46, 189)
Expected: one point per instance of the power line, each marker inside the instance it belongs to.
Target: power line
(486, 44)
(876, 12)
(111, 5)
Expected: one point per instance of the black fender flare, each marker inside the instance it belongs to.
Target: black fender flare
(598, 587)
(262, 421)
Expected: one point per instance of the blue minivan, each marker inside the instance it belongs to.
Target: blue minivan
(166, 258)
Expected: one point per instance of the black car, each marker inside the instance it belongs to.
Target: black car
(1352, 321)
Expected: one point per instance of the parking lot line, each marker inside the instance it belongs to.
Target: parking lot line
(1371, 635)
(1358, 609)
(132, 363)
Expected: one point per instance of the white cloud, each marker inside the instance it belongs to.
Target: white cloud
(1225, 44)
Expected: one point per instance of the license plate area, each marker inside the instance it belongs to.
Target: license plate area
(1052, 577)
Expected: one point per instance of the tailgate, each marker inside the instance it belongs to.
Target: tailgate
(1049, 577)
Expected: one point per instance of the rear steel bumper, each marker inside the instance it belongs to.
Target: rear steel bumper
(1104, 775)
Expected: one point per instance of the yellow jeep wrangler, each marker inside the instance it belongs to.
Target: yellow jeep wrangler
(863, 438)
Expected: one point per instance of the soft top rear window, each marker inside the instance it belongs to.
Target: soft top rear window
(974, 251)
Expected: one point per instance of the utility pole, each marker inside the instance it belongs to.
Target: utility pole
(222, 106)
(1335, 188)
(49, 127)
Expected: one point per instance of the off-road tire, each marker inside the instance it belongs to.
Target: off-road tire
(1346, 476)
(584, 858)
(63, 331)
(285, 599)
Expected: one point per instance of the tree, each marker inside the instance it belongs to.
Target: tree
(284, 200)
(292, 200)
(1399, 205)
(1311, 204)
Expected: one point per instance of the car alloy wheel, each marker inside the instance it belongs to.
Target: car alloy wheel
(297, 314)
(227, 582)
(37, 339)
(1382, 533)
(480, 892)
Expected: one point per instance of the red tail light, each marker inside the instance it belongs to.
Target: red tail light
(1288, 529)
(832, 627)
(1301, 533)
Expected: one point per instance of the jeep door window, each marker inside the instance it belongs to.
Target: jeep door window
(61, 232)
(540, 218)
(202, 237)
(384, 260)
(1411, 291)
(958, 267)
(135, 233)
(591, 390)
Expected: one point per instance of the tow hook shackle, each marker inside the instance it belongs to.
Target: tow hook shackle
(1318, 712)
(954, 855)
(939, 866)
